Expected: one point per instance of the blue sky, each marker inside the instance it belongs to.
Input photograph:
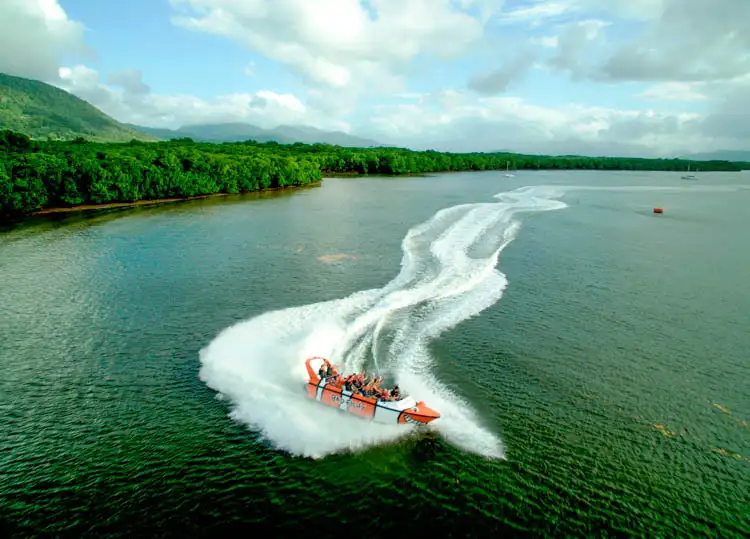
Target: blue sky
(636, 77)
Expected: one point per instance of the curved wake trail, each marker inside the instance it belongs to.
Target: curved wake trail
(448, 274)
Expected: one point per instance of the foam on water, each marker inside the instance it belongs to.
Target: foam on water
(442, 282)
(448, 274)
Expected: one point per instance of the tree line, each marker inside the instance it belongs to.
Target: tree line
(38, 174)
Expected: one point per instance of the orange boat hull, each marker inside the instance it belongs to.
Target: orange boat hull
(404, 411)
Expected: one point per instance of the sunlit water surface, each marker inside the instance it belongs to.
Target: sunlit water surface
(588, 357)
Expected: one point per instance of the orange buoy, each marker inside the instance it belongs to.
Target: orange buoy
(658, 210)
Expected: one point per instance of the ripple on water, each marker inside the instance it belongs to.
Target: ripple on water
(609, 376)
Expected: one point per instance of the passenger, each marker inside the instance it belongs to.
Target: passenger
(395, 393)
(322, 371)
(329, 372)
(370, 388)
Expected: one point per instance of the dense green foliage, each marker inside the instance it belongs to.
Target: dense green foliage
(40, 110)
(44, 174)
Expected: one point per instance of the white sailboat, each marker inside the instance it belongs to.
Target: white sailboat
(507, 170)
(689, 176)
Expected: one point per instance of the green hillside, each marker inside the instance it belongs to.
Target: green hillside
(40, 110)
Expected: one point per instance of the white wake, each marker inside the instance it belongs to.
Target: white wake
(448, 274)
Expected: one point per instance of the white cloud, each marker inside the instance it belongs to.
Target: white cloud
(497, 80)
(639, 10)
(673, 91)
(576, 41)
(457, 121)
(730, 116)
(669, 41)
(540, 12)
(689, 50)
(693, 40)
(537, 14)
(550, 41)
(342, 42)
(34, 35)
(131, 104)
(131, 80)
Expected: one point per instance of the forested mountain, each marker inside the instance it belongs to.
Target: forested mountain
(40, 110)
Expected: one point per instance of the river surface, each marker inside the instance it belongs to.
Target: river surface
(589, 359)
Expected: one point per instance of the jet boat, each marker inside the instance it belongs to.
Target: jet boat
(331, 391)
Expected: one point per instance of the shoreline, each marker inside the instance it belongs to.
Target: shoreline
(150, 202)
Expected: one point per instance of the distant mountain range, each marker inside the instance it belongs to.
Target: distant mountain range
(236, 132)
(721, 155)
(40, 110)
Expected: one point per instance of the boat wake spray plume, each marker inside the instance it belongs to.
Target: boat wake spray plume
(448, 274)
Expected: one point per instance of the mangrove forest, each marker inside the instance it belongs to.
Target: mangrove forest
(37, 174)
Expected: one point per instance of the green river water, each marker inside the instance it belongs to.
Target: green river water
(593, 379)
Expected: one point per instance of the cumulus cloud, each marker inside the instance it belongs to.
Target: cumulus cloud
(670, 40)
(693, 40)
(731, 115)
(498, 80)
(673, 91)
(133, 102)
(458, 121)
(34, 36)
(636, 10)
(131, 80)
(536, 14)
(679, 52)
(541, 12)
(576, 40)
(342, 42)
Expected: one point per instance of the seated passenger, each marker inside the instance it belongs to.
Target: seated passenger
(329, 372)
(395, 394)
(322, 371)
